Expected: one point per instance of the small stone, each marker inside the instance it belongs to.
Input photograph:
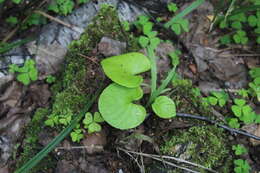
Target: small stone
(109, 47)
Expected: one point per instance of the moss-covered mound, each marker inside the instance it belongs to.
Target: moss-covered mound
(204, 145)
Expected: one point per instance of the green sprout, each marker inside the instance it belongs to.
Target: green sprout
(92, 122)
(172, 7)
(240, 37)
(239, 149)
(234, 123)
(50, 79)
(27, 73)
(218, 98)
(243, 111)
(76, 135)
(241, 166)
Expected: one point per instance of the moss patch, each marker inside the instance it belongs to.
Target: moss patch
(203, 144)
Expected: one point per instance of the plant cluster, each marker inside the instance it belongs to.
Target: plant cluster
(180, 24)
(241, 25)
(241, 166)
(25, 74)
(116, 101)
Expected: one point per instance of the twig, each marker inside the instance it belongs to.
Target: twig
(156, 157)
(79, 147)
(87, 57)
(203, 118)
(75, 28)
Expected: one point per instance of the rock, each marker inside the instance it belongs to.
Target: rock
(5, 150)
(207, 87)
(109, 47)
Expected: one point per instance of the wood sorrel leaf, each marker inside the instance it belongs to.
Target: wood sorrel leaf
(116, 107)
(122, 69)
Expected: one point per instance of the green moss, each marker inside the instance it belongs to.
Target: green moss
(205, 145)
(30, 144)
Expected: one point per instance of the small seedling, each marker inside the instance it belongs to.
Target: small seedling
(50, 79)
(150, 38)
(243, 93)
(126, 25)
(239, 149)
(218, 98)
(243, 111)
(12, 20)
(61, 6)
(180, 25)
(234, 123)
(255, 84)
(172, 7)
(241, 166)
(52, 120)
(240, 37)
(92, 122)
(76, 135)
(27, 73)
(225, 40)
(65, 119)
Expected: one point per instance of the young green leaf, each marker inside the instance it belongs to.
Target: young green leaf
(98, 118)
(124, 114)
(17, 1)
(12, 20)
(239, 149)
(154, 42)
(241, 166)
(252, 20)
(172, 7)
(88, 119)
(147, 28)
(176, 27)
(143, 41)
(164, 107)
(233, 122)
(236, 25)
(122, 69)
(94, 127)
(24, 78)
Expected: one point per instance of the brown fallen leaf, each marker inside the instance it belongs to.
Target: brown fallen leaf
(193, 68)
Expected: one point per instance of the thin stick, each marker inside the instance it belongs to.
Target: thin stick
(172, 158)
(158, 159)
(75, 28)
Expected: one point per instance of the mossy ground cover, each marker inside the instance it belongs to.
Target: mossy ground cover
(199, 142)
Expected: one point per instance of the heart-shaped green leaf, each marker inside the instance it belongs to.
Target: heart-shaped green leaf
(122, 69)
(94, 127)
(164, 107)
(116, 107)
